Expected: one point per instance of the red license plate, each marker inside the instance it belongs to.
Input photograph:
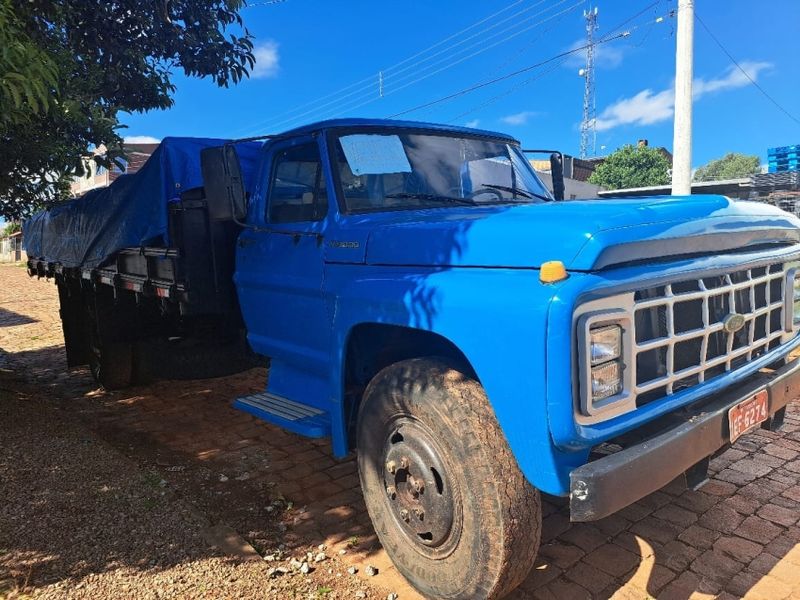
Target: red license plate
(747, 414)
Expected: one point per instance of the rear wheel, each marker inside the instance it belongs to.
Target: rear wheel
(112, 364)
(448, 502)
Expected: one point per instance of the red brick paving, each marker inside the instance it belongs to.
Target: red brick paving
(736, 537)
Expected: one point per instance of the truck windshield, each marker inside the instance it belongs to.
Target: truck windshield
(404, 170)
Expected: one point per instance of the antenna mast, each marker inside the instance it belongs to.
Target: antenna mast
(588, 131)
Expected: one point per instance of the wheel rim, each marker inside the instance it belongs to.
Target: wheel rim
(419, 490)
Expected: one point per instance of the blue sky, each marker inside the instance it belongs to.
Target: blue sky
(322, 59)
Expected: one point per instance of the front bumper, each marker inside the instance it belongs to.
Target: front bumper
(604, 486)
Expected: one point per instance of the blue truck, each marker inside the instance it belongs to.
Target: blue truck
(426, 302)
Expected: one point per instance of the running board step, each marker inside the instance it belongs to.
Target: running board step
(293, 416)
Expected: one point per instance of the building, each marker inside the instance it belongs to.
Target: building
(575, 178)
(780, 189)
(11, 248)
(136, 156)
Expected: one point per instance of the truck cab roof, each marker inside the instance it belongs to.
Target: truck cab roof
(392, 123)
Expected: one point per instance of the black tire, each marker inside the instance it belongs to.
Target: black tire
(112, 365)
(428, 441)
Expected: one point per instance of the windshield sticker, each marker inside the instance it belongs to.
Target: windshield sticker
(375, 154)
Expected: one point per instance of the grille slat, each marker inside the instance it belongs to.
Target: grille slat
(680, 340)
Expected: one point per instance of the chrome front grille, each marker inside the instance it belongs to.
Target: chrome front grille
(679, 335)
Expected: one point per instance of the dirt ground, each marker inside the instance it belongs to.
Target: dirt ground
(165, 491)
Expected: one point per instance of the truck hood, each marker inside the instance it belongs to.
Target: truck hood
(584, 234)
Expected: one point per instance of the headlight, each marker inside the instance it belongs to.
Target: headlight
(606, 380)
(605, 344)
(605, 355)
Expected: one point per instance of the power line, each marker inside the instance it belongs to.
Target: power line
(562, 61)
(390, 86)
(264, 3)
(744, 72)
(509, 91)
(368, 82)
(506, 76)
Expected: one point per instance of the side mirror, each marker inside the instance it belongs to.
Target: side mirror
(557, 173)
(223, 183)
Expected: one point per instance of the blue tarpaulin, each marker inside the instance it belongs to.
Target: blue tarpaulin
(131, 212)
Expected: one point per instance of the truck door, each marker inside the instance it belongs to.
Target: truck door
(279, 272)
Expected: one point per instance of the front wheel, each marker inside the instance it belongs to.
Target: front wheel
(446, 497)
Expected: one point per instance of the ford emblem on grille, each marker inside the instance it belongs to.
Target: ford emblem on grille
(733, 323)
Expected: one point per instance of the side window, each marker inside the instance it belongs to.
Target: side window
(297, 190)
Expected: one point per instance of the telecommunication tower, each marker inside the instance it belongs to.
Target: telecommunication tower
(588, 131)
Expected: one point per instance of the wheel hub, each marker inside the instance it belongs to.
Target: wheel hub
(417, 487)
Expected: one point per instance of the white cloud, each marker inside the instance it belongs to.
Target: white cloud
(732, 79)
(473, 123)
(266, 60)
(606, 56)
(648, 107)
(519, 118)
(645, 108)
(141, 139)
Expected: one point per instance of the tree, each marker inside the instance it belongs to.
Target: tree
(69, 67)
(9, 228)
(731, 166)
(632, 166)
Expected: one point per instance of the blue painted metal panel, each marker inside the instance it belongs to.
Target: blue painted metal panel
(316, 426)
(575, 232)
(494, 316)
(383, 123)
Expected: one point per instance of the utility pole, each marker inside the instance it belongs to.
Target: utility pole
(589, 107)
(682, 133)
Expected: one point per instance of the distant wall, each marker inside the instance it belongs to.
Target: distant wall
(572, 187)
(11, 250)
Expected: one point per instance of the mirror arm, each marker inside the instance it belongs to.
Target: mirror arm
(555, 156)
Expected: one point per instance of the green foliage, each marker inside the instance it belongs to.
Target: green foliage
(27, 75)
(632, 166)
(9, 228)
(69, 67)
(731, 166)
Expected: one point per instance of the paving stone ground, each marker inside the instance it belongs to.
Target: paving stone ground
(736, 537)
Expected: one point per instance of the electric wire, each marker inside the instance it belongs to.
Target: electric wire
(390, 76)
(526, 82)
(369, 81)
(744, 72)
(506, 76)
(358, 104)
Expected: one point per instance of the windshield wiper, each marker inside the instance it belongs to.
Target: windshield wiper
(433, 198)
(513, 190)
